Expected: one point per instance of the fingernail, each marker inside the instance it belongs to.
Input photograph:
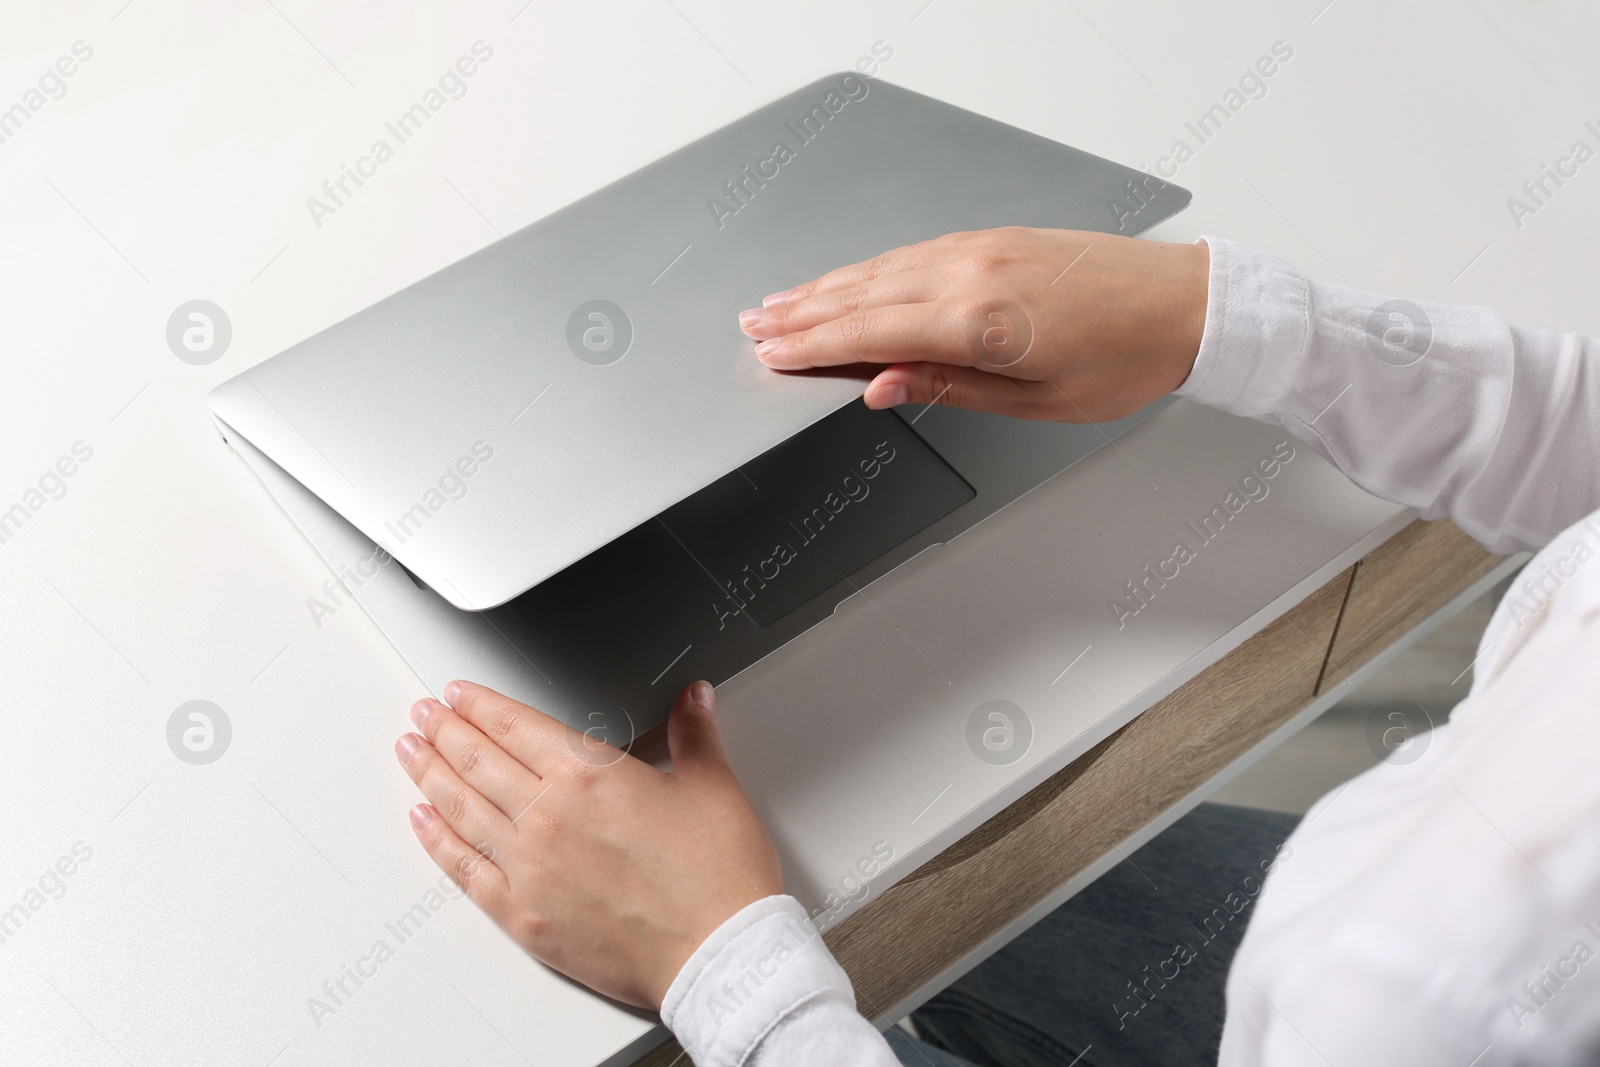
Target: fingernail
(749, 318)
(768, 347)
(890, 396)
(419, 713)
(451, 691)
(776, 298)
(702, 694)
(404, 748)
(421, 816)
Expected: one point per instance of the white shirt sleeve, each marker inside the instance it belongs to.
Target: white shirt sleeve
(764, 991)
(1445, 408)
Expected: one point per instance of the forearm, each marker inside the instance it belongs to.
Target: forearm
(1456, 413)
(763, 991)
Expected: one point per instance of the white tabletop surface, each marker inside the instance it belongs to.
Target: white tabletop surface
(175, 164)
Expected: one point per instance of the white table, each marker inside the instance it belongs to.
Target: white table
(177, 164)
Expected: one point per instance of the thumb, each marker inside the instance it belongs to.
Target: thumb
(960, 387)
(692, 732)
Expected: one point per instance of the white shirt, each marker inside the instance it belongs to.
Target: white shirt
(1443, 910)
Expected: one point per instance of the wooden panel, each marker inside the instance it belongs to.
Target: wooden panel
(958, 899)
(1413, 575)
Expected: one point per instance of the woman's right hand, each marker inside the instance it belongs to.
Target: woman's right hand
(1040, 324)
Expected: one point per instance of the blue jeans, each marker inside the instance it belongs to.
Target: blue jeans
(1128, 973)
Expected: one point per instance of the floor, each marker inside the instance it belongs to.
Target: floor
(1423, 684)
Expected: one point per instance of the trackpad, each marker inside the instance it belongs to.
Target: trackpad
(802, 517)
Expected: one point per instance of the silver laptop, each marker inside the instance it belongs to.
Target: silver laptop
(557, 468)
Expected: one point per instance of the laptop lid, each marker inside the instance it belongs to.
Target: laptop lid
(508, 415)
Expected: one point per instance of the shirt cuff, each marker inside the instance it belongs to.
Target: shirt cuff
(757, 968)
(1256, 333)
